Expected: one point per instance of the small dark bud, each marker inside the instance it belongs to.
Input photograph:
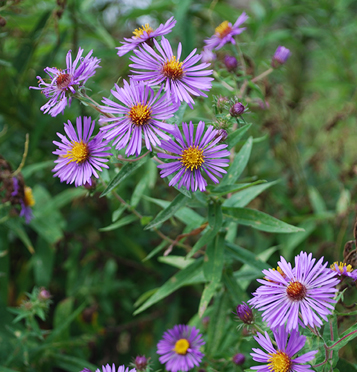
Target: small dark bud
(44, 294)
(237, 109)
(245, 314)
(281, 55)
(231, 63)
(2, 22)
(141, 362)
(238, 359)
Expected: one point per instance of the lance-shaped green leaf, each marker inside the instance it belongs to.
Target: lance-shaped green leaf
(225, 189)
(239, 163)
(182, 189)
(169, 211)
(207, 294)
(16, 228)
(344, 339)
(124, 172)
(122, 222)
(235, 137)
(180, 279)
(259, 220)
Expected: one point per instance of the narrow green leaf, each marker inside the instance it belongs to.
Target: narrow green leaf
(156, 250)
(239, 163)
(234, 288)
(214, 259)
(168, 212)
(259, 220)
(223, 190)
(124, 172)
(139, 190)
(43, 261)
(63, 310)
(118, 212)
(317, 202)
(16, 228)
(122, 222)
(66, 196)
(344, 339)
(145, 296)
(176, 261)
(208, 292)
(235, 137)
(70, 363)
(180, 279)
(34, 168)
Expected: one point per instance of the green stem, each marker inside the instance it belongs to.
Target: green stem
(263, 75)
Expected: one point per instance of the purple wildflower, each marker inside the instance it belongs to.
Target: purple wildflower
(79, 157)
(143, 112)
(181, 79)
(342, 270)
(282, 358)
(225, 33)
(281, 55)
(193, 155)
(112, 368)
(307, 289)
(144, 34)
(180, 348)
(237, 109)
(64, 83)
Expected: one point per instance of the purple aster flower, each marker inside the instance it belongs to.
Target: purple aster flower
(307, 289)
(281, 55)
(26, 204)
(180, 348)
(143, 113)
(144, 34)
(343, 270)
(282, 358)
(225, 33)
(64, 83)
(193, 155)
(80, 157)
(112, 368)
(181, 79)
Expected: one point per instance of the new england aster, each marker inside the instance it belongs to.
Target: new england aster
(143, 112)
(192, 156)
(112, 368)
(308, 290)
(144, 34)
(63, 84)
(80, 157)
(180, 348)
(180, 79)
(282, 358)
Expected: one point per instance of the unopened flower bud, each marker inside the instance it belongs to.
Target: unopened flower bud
(281, 55)
(2, 22)
(237, 109)
(44, 294)
(221, 103)
(141, 362)
(245, 314)
(221, 133)
(231, 63)
(238, 359)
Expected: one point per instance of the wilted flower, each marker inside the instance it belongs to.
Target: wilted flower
(222, 133)
(282, 358)
(341, 269)
(192, 156)
(207, 55)
(231, 63)
(238, 359)
(26, 204)
(237, 109)
(307, 289)
(225, 33)
(144, 34)
(180, 79)
(143, 113)
(180, 348)
(281, 55)
(245, 313)
(80, 157)
(65, 83)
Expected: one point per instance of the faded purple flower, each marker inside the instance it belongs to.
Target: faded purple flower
(225, 33)
(308, 289)
(207, 55)
(112, 368)
(63, 84)
(143, 113)
(192, 156)
(282, 358)
(281, 55)
(341, 269)
(143, 34)
(79, 157)
(180, 79)
(180, 348)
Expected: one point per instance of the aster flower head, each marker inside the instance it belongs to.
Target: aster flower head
(225, 33)
(194, 155)
(180, 348)
(180, 79)
(144, 34)
(26, 204)
(341, 269)
(112, 368)
(79, 157)
(281, 55)
(63, 84)
(307, 289)
(282, 358)
(143, 113)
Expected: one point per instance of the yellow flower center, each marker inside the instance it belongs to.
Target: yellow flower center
(349, 268)
(29, 200)
(63, 80)
(139, 31)
(192, 157)
(223, 29)
(296, 291)
(173, 69)
(181, 346)
(78, 153)
(280, 362)
(140, 114)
